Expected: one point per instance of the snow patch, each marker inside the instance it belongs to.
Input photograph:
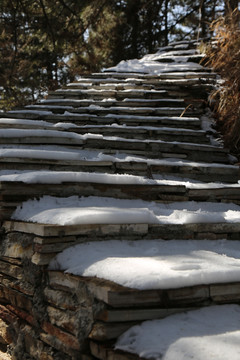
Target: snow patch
(153, 264)
(210, 333)
(105, 210)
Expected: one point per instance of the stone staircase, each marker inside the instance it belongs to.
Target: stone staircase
(119, 135)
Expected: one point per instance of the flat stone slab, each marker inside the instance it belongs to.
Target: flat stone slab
(119, 297)
(149, 230)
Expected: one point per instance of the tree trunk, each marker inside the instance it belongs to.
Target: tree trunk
(166, 22)
(203, 19)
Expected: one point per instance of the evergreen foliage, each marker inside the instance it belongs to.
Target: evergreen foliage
(46, 43)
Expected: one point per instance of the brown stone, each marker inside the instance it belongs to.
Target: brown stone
(67, 339)
(22, 315)
(64, 319)
(5, 333)
(61, 299)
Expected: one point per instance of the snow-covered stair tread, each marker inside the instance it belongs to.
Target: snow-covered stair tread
(103, 210)
(208, 333)
(87, 119)
(61, 158)
(154, 264)
(110, 102)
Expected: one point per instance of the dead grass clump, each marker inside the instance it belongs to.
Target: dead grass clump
(224, 57)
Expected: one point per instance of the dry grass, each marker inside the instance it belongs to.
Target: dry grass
(224, 57)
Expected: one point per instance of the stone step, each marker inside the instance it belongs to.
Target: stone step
(137, 75)
(95, 94)
(130, 82)
(110, 84)
(160, 149)
(190, 85)
(45, 241)
(138, 80)
(155, 149)
(130, 120)
(122, 300)
(141, 132)
(52, 103)
(176, 88)
(113, 165)
(181, 56)
(133, 132)
(101, 111)
(43, 137)
(13, 193)
(91, 119)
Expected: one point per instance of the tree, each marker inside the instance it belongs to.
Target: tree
(45, 43)
(37, 38)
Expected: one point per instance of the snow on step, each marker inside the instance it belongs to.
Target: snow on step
(138, 132)
(87, 119)
(208, 333)
(95, 109)
(39, 136)
(148, 66)
(15, 123)
(61, 158)
(136, 120)
(73, 93)
(159, 149)
(101, 210)
(144, 132)
(88, 140)
(108, 102)
(17, 186)
(145, 80)
(154, 264)
(60, 177)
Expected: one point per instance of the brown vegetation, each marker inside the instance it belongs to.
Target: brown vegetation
(224, 57)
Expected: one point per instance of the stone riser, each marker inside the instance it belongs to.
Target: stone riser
(40, 243)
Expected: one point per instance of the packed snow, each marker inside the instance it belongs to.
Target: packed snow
(59, 177)
(105, 210)
(153, 264)
(210, 333)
